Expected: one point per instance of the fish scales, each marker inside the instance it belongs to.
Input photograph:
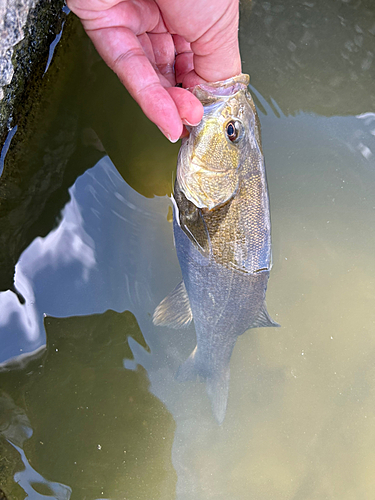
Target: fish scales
(222, 234)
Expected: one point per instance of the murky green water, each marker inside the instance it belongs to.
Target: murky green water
(98, 414)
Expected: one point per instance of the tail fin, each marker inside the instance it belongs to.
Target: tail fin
(217, 383)
(217, 388)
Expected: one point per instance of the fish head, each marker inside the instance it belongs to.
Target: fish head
(212, 157)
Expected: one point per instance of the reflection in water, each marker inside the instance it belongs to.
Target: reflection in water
(16, 429)
(110, 437)
(65, 246)
(85, 273)
(363, 139)
(292, 395)
(45, 155)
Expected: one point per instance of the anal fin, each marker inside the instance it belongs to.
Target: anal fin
(188, 370)
(263, 319)
(174, 311)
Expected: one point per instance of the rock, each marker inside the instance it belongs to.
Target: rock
(13, 19)
(27, 29)
(37, 170)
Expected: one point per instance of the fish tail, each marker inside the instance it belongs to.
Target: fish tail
(217, 383)
(217, 388)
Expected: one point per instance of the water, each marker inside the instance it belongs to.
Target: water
(97, 413)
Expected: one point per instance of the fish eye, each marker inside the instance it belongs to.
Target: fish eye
(233, 130)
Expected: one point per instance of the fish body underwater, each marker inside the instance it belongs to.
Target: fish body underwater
(222, 233)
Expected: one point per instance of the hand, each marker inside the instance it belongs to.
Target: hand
(154, 44)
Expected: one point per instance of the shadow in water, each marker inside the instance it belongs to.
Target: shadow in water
(108, 435)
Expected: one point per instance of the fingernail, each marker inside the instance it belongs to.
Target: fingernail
(168, 136)
(185, 122)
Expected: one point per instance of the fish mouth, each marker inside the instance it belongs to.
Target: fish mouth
(223, 88)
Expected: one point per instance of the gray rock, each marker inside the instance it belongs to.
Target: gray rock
(27, 28)
(13, 17)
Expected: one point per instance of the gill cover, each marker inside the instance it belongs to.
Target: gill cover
(210, 159)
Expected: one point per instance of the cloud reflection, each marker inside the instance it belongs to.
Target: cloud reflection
(68, 243)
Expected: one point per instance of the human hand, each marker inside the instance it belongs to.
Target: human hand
(154, 44)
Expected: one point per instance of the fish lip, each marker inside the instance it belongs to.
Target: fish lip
(222, 88)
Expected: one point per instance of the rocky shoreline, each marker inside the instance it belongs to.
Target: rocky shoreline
(27, 29)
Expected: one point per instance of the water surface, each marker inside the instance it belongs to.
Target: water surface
(97, 413)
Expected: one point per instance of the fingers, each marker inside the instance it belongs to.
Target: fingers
(189, 107)
(164, 71)
(211, 27)
(139, 16)
(133, 39)
(184, 62)
(146, 45)
(94, 4)
(164, 55)
(216, 52)
(123, 53)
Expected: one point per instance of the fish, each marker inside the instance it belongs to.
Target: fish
(222, 235)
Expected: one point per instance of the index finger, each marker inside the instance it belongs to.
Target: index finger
(121, 50)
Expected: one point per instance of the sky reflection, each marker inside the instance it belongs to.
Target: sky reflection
(88, 264)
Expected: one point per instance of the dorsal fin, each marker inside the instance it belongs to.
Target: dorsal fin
(174, 311)
(263, 319)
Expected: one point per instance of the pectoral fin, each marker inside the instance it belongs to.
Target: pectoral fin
(174, 311)
(197, 233)
(263, 319)
(191, 221)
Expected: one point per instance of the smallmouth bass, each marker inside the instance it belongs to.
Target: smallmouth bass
(222, 233)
